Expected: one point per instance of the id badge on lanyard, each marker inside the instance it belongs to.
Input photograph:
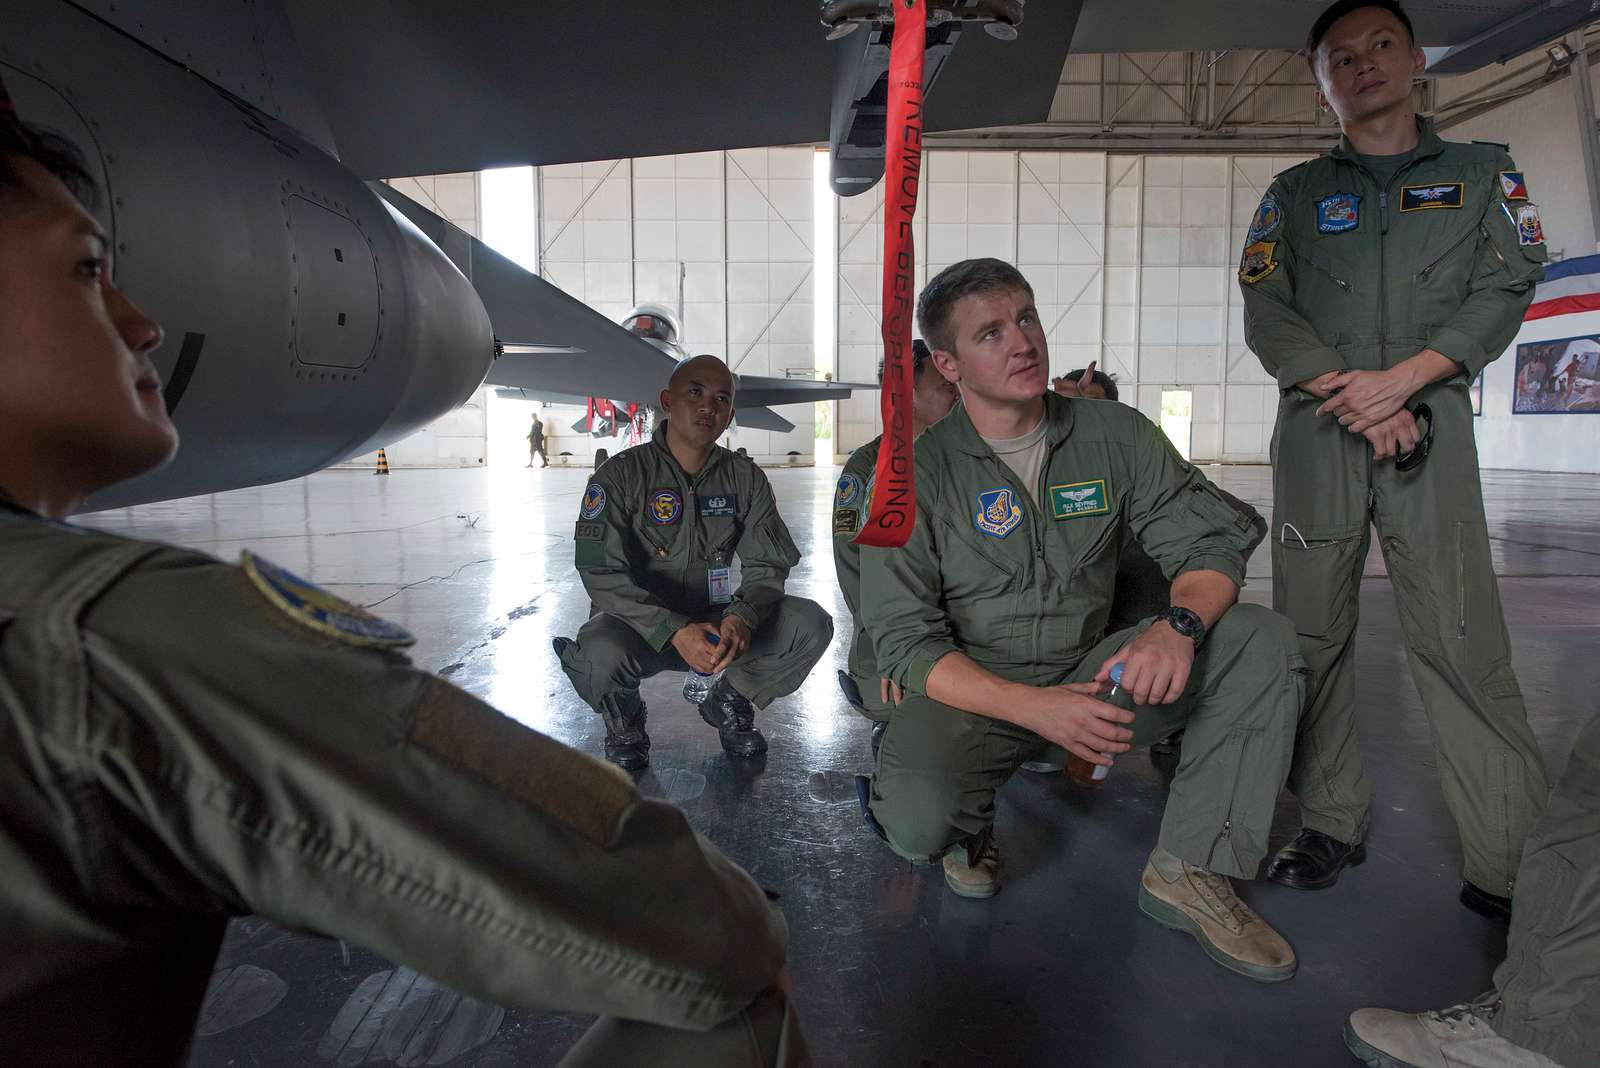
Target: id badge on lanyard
(719, 580)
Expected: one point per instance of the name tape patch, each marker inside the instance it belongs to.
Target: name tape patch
(719, 504)
(1076, 499)
(1427, 197)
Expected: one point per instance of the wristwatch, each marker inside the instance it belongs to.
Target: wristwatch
(1185, 622)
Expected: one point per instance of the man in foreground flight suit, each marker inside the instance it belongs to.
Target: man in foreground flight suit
(183, 740)
(932, 397)
(1383, 275)
(992, 620)
(658, 529)
(1544, 1008)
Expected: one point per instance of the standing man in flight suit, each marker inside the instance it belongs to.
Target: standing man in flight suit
(536, 442)
(931, 400)
(1383, 275)
(183, 740)
(658, 529)
(992, 621)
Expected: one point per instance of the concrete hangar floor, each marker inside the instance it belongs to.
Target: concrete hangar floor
(889, 967)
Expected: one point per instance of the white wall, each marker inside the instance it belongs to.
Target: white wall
(1131, 258)
(1569, 443)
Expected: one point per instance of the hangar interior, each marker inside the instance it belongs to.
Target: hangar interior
(1126, 211)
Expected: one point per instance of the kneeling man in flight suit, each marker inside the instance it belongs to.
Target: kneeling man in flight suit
(992, 620)
(657, 532)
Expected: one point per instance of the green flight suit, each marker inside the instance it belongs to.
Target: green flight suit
(1548, 986)
(647, 540)
(1026, 592)
(183, 740)
(852, 500)
(1339, 274)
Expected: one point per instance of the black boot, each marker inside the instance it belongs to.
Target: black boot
(734, 716)
(627, 744)
(1313, 860)
(1492, 906)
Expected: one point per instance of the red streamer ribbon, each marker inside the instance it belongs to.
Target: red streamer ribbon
(893, 512)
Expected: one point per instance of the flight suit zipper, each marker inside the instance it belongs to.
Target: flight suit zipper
(1443, 255)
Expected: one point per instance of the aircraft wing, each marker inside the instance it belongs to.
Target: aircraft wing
(558, 348)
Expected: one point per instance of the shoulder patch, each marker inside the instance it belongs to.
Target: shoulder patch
(1525, 217)
(1257, 262)
(846, 521)
(594, 501)
(1513, 186)
(1265, 221)
(316, 608)
(848, 491)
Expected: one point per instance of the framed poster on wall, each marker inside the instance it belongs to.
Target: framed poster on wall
(1560, 377)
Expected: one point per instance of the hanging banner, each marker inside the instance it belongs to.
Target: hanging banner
(893, 510)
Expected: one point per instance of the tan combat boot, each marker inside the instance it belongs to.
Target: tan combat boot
(980, 877)
(1185, 898)
(1457, 1037)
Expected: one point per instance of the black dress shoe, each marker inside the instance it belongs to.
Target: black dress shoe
(1492, 906)
(1313, 860)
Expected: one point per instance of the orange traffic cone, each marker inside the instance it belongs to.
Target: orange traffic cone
(383, 464)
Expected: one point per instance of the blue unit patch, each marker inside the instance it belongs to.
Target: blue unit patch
(594, 501)
(1265, 220)
(725, 505)
(1338, 213)
(848, 492)
(317, 609)
(664, 507)
(998, 513)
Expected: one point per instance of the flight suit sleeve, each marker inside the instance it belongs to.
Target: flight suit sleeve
(1285, 343)
(901, 593)
(766, 555)
(605, 552)
(849, 509)
(334, 788)
(1501, 287)
(1183, 521)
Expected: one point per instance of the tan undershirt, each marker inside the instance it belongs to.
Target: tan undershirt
(1025, 457)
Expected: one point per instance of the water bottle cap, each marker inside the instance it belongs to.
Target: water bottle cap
(1116, 673)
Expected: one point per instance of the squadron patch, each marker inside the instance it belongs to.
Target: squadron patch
(594, 501)
(1525, 217)
(1265, 220)
(848, 491)
(1079, 498)
(1513, 186)
(316, 608)
(1257, 262)
(998, 513)
(664, 507)
(1438, 195)
(1338, 213)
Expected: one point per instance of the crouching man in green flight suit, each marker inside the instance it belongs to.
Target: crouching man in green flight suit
(1543, 1010)
(992, 620)
(658, 529)
(932, 397)
(183, 740)
(1383, 275)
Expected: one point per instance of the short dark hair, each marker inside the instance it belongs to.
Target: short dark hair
(1101, 379)
(958, 280)
(1339, 9)
(920, 355)
(51, 151)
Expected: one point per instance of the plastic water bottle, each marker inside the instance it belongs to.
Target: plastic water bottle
(1079, 770)
(697, 684)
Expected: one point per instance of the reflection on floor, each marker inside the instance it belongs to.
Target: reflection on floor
(888, 967)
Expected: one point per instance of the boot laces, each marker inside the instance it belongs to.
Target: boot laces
(1217, 891)
(1470, 1013)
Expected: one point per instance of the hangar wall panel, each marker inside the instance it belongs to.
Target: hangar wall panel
(1132, 260)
